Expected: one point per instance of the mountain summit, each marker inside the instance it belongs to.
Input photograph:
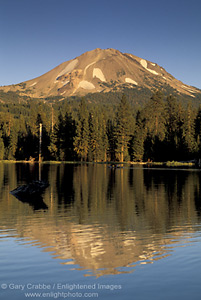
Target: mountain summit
(102, 71)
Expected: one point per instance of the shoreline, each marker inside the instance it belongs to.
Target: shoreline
(164, 164)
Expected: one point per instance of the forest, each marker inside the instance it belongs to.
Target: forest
(162, 129)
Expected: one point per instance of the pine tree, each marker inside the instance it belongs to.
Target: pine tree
(104, 143)
(174, 121)
(52, 148)
(68, 137)
(154, 113)
(59, 137)
(1, 147)
(12, 144)
(155, 116)
(188, 133)
(111, 139)
(94, 137)
(137, 144)
(198, 131)
(124, 128)
(81, 140)
(98, 141)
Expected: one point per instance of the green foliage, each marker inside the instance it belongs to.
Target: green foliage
(68, 139)
(53, 150)
(96, 128)
(81, 140)
(98, 140)
(137, 143)
(155, 116)
(124, 128)
(174, 123)
(178, 164)
(1, 147)
(188, 132)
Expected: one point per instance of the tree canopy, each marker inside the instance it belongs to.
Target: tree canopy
(162, 129)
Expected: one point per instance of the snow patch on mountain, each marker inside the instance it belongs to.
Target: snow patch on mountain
(143, 62)
(86, 85)
(188, 89)
(69, 68)
(129, 80)
(152, 71)
(85, 70)
(99, 74)
(33, 84)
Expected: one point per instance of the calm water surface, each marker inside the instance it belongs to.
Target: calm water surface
(99, 233)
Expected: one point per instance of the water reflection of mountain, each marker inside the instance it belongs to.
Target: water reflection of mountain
(103, 220)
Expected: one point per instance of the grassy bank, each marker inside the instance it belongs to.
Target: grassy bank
(165, 164)
(173, 164)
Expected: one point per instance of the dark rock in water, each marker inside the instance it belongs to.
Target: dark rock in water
(35, 202)
(31, 193)
(33, 189)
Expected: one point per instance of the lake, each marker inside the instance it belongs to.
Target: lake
(127, 233)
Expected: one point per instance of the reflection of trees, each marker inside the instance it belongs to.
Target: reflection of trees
(95, 191)
(1, 178)
(103, 218)
(174, 180)
(197, 195)
(7, 179)
(64, 184)
(27, 172)
(90, 188)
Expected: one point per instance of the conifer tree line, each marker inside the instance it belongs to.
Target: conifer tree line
(161, 130)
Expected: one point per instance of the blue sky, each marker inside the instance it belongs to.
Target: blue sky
(37, 35)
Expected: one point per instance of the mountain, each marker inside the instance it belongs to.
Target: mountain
(102, 71)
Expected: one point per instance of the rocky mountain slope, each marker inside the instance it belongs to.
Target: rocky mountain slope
(102, 71)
